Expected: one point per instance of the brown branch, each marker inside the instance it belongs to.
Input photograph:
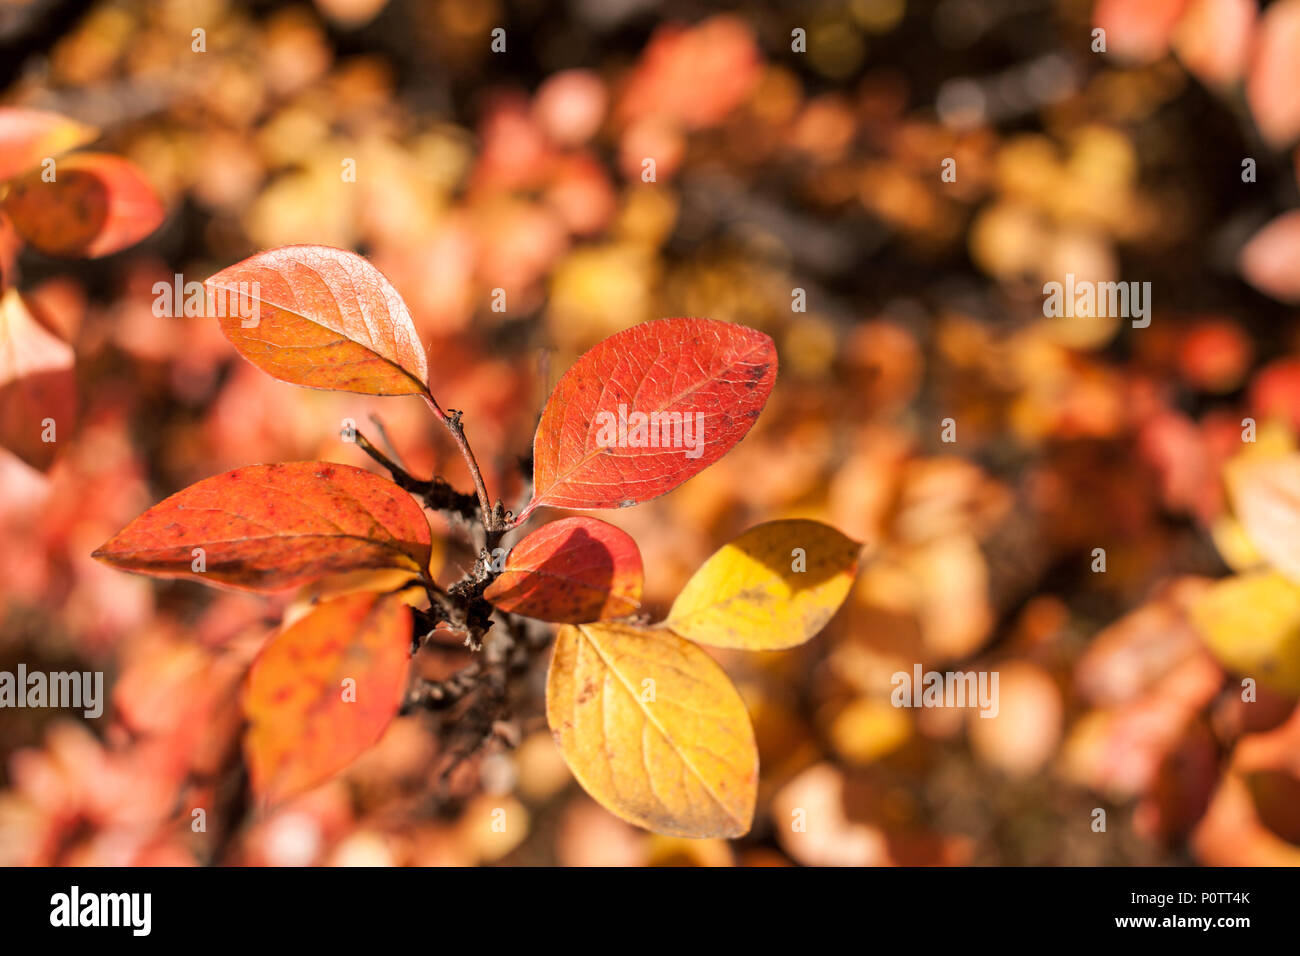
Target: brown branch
(435, 493)
(493, 516)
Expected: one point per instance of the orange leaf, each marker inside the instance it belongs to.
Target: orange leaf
(646, 409)
(323, 690)
(10, 245)
(97, 205)
(267, 527)
(27, 137)
(321, 317)
(571, 571)
(37, 387)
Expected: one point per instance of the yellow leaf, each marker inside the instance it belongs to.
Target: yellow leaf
(868, 729)
(775, 586)
(1252, 624)
(1234, 544)
(653, 729)
(1266, 498)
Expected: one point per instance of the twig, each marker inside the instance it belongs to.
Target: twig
(436, 493)
(388, 442)
(433, 695)
(493, 518)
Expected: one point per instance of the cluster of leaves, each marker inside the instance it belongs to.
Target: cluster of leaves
(86, 205)
(778, 171)
(649, 724)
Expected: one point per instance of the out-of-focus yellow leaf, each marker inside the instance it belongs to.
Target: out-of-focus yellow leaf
(868, 729)
(1266, 498)
(1252, 624)
(1234, 544)
(653, 729)
(773, 587)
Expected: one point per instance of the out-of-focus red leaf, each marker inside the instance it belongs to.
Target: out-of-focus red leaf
(320, 317)
(1213, 39)
(1254, 819)
(570, 105)
(1277, 797)
(323, 690)
(713, 375)
(1275, 391)
(10, 244)
(571, 571)
(1214, 354)
(267, 527)
(1182, 787)
(1270, 261)
(694, 75)
(1126, 658)
(1138, 30)
(27, 137)
(97, 205)
(1275, 73)
(37, 385)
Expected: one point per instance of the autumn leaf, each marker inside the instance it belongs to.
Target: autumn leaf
(1138, 30)
(1275, 73)
(653, 729)
(773, 587)
(1266, 499)
(1277, 801)
(323, 690)
(267, 527)
(648, 408)
(29, 137)
(97, 205)
(1252, 624)
(1270, 259)
(320, 317)
(10, 245)
(37, 387)
(571, 571)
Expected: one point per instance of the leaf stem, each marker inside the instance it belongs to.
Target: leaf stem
(492, 521)
(523, 515)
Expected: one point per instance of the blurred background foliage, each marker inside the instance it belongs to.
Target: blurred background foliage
(775, 171)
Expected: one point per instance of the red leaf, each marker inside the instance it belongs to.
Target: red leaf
(571, 571)
(36, 384)
(321, 317)
(714, 377)
(10, 245)
(1213, 39)
(267, 527)
(27, 137)
(1275, 73)
(1270, 260)
(97, 205)
(323, 690)
(1138, 30)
